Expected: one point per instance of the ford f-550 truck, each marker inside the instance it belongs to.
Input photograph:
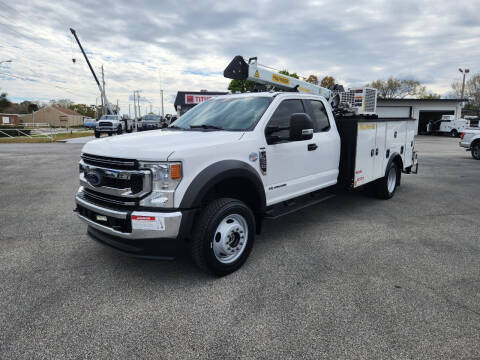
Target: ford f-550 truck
(211, 178)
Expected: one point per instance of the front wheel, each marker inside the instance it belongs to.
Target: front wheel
(223, 236)
(386, 186)
(476, 150)
(97, 134)
(119, 131)
(454, 133)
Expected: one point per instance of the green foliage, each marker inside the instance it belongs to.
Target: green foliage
(83, 109)
(285, 72)
(241, 86)
(4, 102)
(327, 81)
(431, 96)
(312, 79)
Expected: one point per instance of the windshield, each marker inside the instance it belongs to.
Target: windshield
(109, 117)
(225, 113)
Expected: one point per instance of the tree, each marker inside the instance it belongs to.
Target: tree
(472, 92)
(32, 107)
(83, 109)
(241, 86)
(285, 72)
(393, 88)
(431, 96)
(327, 81)
(313, 79)
(4, 102)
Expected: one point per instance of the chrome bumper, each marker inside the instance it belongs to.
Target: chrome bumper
(465, 144)
(171, 222)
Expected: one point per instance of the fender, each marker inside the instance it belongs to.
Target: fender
(216, 173)
(392, 158)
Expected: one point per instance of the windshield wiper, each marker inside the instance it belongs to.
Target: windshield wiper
(206, 126)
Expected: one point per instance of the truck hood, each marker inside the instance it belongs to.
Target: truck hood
(157, 145)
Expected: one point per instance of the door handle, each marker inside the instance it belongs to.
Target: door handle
(312, 147)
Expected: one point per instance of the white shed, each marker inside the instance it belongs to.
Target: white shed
(422, 110)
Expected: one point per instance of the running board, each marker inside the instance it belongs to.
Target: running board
(290, 206)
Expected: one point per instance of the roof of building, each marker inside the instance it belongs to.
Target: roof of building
(66, 111)
(422, 100)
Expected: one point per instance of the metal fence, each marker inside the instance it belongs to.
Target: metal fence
(28, 130)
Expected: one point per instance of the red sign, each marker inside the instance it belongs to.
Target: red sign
(143, 218)
(196, 99)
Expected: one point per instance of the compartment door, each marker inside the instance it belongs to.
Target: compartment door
(380, 159)
(365, 156)
(409, 143)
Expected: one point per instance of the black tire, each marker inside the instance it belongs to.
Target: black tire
(205, 233)
(119, 130)
(476, 150)
(454, 133)
(382, 190)
(97, 134)
(110, 134)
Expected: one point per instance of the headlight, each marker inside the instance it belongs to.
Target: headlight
(165, 178)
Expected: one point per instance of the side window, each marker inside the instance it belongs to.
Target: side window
(281, 116)
(319, 115)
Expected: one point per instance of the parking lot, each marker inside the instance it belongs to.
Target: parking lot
(353, 277)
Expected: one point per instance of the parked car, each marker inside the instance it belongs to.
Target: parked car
(448, 125)
(470, 140)
(151, 122)
(113, 124)
(89, 122)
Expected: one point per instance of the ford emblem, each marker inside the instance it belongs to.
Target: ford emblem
(94, 178)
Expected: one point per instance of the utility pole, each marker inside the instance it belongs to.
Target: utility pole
(161, 91)
(464, 72)
(103, 92)
(138, 103)
(161, 95)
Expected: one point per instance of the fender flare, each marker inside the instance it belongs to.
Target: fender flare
(390, 161)
(217, 172)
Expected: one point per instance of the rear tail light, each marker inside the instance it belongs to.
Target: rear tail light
(462, 135)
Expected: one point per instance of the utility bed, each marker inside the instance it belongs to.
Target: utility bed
(368, 144)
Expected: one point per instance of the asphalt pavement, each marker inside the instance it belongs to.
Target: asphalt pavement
(351, 278)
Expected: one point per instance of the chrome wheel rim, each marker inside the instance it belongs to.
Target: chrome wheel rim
(391, 180)
(230, 238)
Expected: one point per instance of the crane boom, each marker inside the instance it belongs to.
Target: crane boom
(239, 69)
(102, 90)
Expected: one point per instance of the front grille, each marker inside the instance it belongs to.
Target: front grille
(111, 163)
(105, 123)
(105, 199)
(122, 225)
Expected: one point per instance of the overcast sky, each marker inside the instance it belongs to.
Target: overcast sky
(186, 45)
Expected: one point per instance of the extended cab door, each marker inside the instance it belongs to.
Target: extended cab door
(295, 168)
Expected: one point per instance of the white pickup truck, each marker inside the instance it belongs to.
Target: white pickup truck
(448, 125)
(113, 124)
(210, 178)
(470, 139)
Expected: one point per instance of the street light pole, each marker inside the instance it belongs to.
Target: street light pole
(464, 72)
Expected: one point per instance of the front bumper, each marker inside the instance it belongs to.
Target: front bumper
(163, 225)
(465, 144)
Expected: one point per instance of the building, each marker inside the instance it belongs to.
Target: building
(186, 100)
(422, 110)
(8, 119)
(55, 116)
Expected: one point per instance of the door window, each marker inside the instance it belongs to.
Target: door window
(319, 115)
(281, 116)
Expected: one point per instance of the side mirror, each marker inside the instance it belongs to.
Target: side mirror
(301, 127)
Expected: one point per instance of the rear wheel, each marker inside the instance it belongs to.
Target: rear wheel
(454, 133)
(223, 236)
(386, 186)
(476, 150)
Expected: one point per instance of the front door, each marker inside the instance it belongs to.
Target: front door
(297, 167)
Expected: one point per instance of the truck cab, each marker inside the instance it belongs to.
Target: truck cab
(113, 124)
(210, 178)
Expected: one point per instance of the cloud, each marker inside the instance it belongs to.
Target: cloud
(147, 45)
